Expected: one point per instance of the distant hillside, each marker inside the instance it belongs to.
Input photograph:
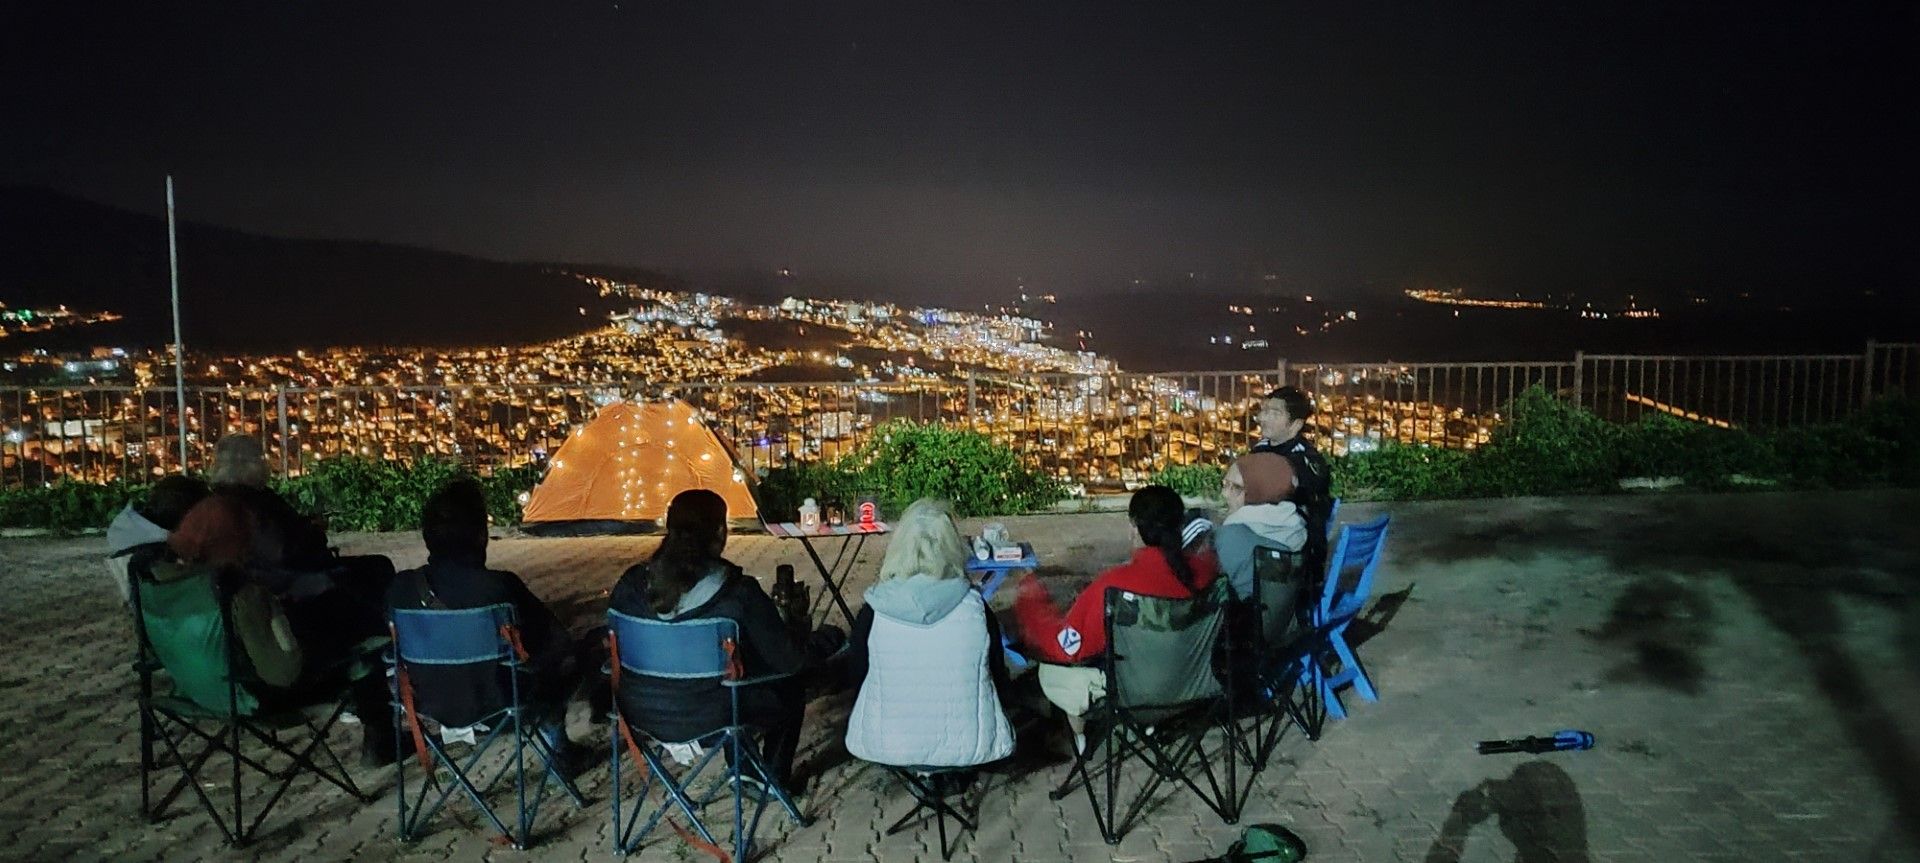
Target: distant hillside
(247, 291)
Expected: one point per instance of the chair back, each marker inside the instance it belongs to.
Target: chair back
(1281, 592)
(1350, 570)
(465, 636)
(675, 650)
(458, 662)
(186, 626)
(1161, 650)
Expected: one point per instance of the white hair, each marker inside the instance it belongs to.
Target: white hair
(925, 541)
(239, 460)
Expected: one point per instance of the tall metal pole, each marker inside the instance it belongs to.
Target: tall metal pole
(179, 346)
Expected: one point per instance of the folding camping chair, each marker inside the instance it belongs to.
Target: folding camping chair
(1349, 581)
(487, 639)
(1162, 700)
(702, 649)
(935, 791)
(184, 627)
(1278, 679)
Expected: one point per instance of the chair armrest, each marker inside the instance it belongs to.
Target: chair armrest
(755, 681)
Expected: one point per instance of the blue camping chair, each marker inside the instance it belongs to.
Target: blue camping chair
(1333, 514)
(1348, 583)
(486, 638)
(703, 649)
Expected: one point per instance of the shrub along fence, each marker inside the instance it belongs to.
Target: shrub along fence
(1543, 445)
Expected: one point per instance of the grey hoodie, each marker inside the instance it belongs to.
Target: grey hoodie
(1262, 525)
(921, 600)
(129, 530)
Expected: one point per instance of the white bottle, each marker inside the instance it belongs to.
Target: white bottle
(809, 515)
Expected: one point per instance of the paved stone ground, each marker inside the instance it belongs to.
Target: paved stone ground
(1750, 664)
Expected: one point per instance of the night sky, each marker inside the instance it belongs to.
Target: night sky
(958, 149)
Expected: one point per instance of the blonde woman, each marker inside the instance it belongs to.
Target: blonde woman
(925, 654)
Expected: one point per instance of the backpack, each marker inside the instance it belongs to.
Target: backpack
(1263, 843)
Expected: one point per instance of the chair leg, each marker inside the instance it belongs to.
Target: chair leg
(1351, 669)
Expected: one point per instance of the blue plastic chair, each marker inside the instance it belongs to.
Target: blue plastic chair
(1348, 583)
(485, 637)
(687, 650)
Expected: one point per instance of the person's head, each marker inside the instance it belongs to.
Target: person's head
(1255, 478)
(696, 536)
(1158, 515)
(454, 521)
(1283, 413)
(239, 460)
(169, 499)
(925, 541)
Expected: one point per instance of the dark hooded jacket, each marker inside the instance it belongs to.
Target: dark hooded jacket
(679, 710)
(460, 695)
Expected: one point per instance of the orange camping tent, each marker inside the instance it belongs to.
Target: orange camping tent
(627, 463)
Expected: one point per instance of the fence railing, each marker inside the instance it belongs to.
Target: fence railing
(1099, 429)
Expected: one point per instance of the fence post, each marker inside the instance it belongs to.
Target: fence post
(1579, 378)
(972, 395)
(1866, 373)
(1281, 368)
(281, 393)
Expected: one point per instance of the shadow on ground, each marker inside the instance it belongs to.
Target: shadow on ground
(1537, 808)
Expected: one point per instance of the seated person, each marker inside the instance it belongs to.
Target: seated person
(333, 604)
(688, 579)
(138, 535)
(1069, 645)
(1283, 422)
(1260, 514)
(454, 525)
(925, 654)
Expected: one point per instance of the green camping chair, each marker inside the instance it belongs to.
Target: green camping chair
(218, 705)
(1276, 681)
(1163, 700)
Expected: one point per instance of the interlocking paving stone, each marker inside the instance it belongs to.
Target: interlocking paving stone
(1751, 676)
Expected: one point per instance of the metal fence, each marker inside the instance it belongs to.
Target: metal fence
(1101, 429)
(1454, 405)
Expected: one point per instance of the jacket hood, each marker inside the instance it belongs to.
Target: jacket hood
(703, 591)
(1280, 524)
(918, 599)
(131, 530)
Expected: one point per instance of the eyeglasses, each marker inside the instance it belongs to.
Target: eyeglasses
(1230, 485)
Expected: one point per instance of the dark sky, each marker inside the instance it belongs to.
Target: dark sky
(959, 147)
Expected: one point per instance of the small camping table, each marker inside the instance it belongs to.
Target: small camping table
(852, 536)
(993, 574)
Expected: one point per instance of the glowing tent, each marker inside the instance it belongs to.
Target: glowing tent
(625, 465)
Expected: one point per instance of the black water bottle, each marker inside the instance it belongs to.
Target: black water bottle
(790, 597)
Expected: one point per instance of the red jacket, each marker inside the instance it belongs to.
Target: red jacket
(1081, 634)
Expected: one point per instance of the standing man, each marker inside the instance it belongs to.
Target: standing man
(1283, 421)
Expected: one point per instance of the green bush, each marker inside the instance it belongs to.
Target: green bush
(780, 493)
(1192, 480)
(504, 488)
(67, 507)
(1835, 455)
(1402, 472)
(1896, 420)
(904, 461)
(1545, 446)
(357, 493)
(1660, 445)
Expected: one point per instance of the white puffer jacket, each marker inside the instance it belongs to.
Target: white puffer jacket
(928, 700)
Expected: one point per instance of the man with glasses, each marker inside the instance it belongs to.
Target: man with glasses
(1283, 420)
